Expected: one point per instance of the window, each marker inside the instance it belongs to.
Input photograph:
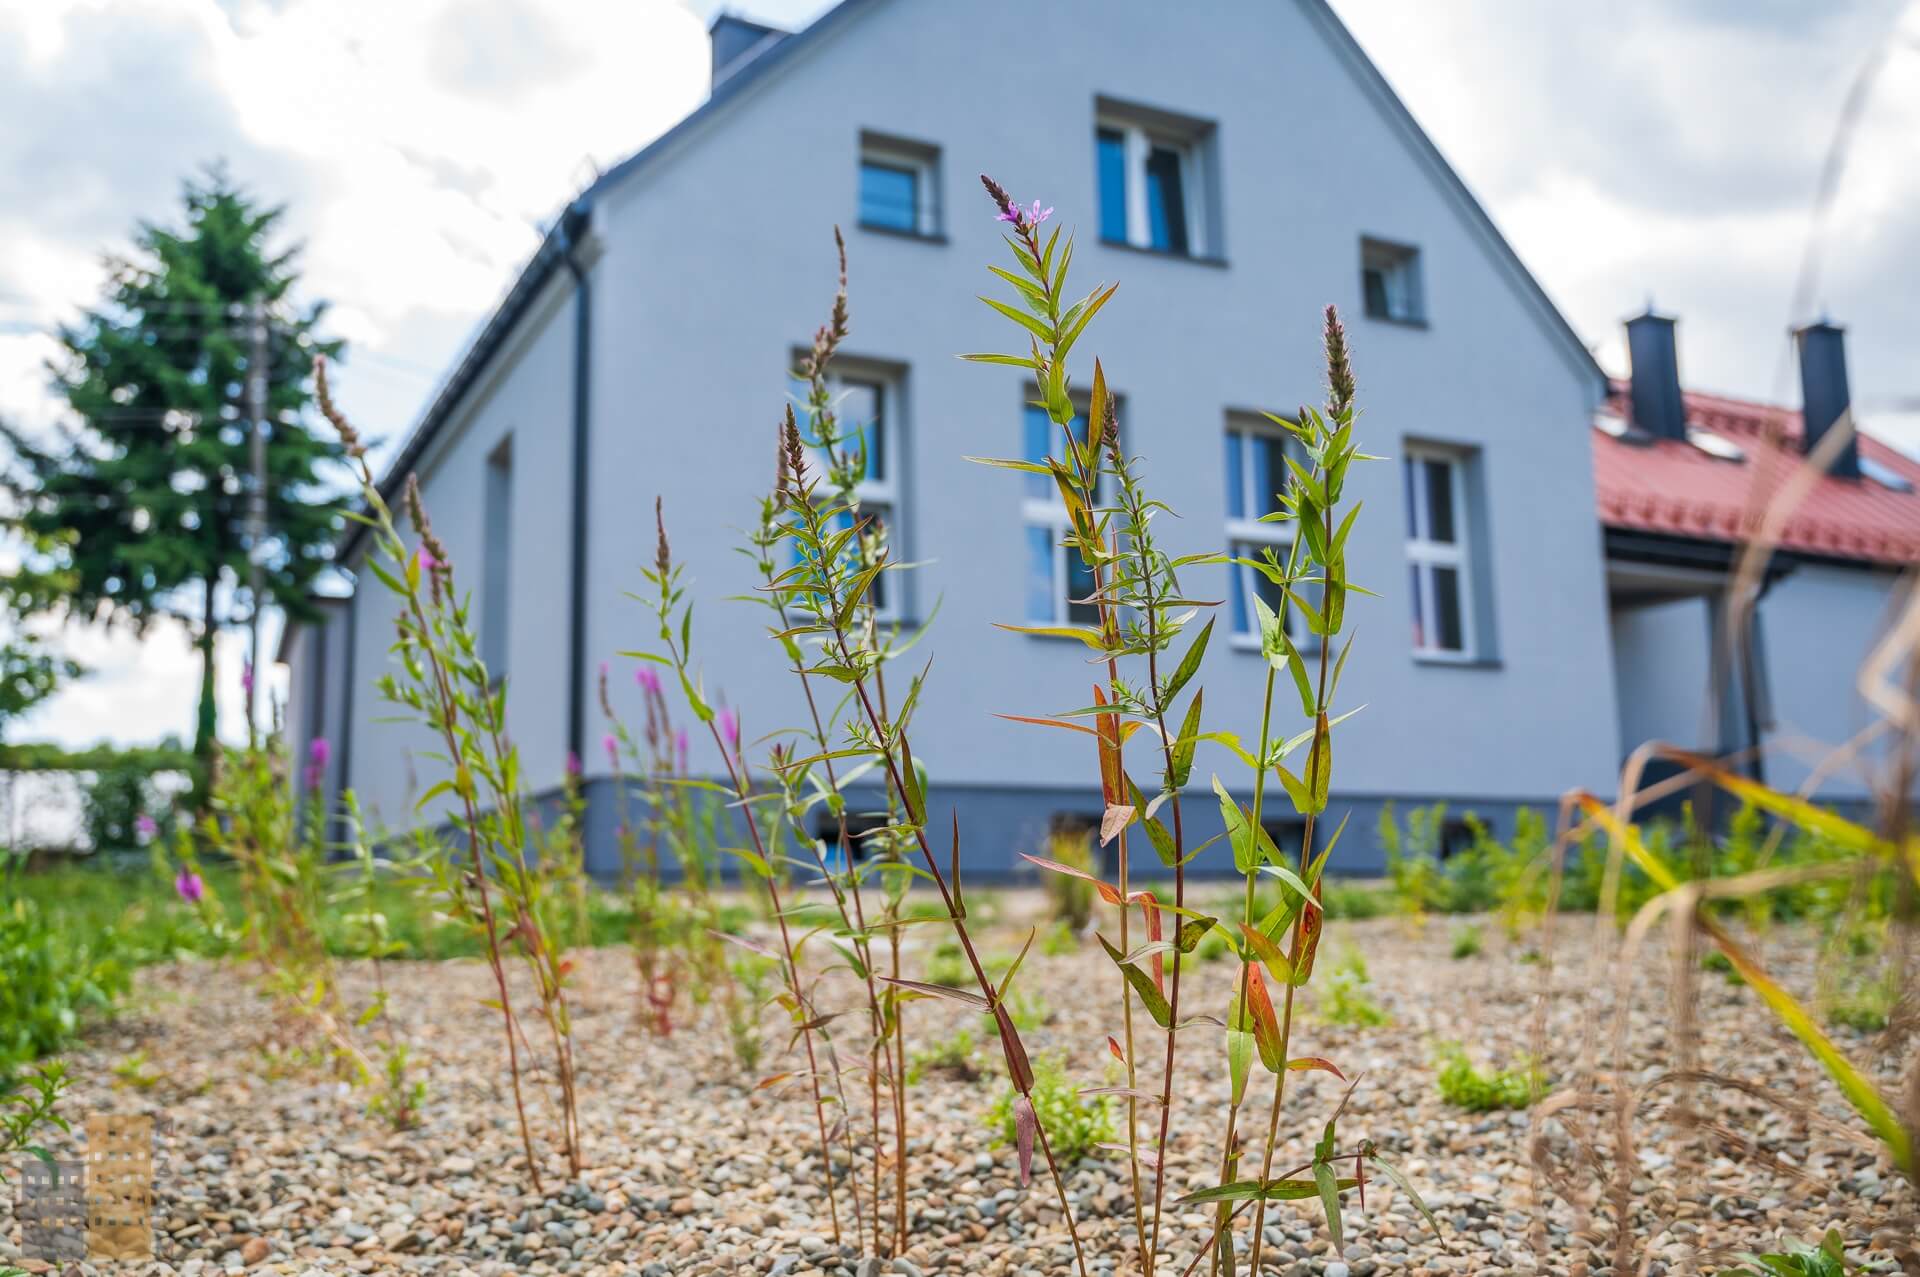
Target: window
(1438, 563)
(1155, 179)
(496, 580)
(899, 186)
(1256, 475)
(866, 408)
(1390, 282)
(1058, 578)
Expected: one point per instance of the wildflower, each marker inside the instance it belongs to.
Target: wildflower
(680, 749)
(649, 680)
(317, 755)
(612, 745)
(246, 677)
(573, 763)
(190, 887)
(425, 557)
(729, 724)
(145, 825)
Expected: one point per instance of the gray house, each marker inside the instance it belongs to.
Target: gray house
(1233, 175)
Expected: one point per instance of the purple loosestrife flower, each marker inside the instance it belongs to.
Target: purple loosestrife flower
(425, 557)
(1024, 218)
(573, 763)
(612, 745)
(145, 825)
(729, 724)
(680, 748)
(189, 886)
(317, 755)
(649, 680)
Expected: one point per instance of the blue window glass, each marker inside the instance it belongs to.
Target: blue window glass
(1166, 201)
(1269, 473)
(889, 196)
(1236, 477)
(1040, 574)
(1079, 585)
(1237, 577)
(1036, 438)
(1110, 148)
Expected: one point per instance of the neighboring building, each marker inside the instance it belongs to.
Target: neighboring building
(1234, 173)
(1684, 479)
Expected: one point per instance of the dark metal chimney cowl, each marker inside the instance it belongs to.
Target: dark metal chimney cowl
(1653, 353)
(1824, 396)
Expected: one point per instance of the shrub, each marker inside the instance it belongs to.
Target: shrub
(1070, 898)
(1060, 941)
(1075, 1125)
(1800, 1259)
(1477, 1091)
(953, 1056)
(1466, 941)
(1343, 998)
(52, 980)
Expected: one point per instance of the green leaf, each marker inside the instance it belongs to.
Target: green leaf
(1268, 952)
(1246, 850)
(1302, 802)
(1016, 361)
(1401, 1182)
(1189, 665)
(1274, 1190)
(1323, 1179)
(1187, 743)
(1157, 834)
(1090, 637)
(1143, 985)
(1239, 1058)
(1035, 326)
(1190, 932)
(1030, 467)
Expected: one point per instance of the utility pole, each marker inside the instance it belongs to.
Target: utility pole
(257, 492)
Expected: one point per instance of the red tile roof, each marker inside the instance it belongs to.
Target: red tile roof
(1673, 487)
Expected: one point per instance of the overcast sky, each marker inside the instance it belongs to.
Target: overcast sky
(1643, 149)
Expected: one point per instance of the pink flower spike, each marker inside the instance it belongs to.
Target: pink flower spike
(649, 681)
(426, 560)
(573, 763)
(145, 825)
(189, 886)
(680, 748)
(612, 744)
(729, 724)
(1038, 215)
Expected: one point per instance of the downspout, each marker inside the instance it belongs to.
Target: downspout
(1750, 678)
(570, 222)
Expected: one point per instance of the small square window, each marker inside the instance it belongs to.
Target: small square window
(1390, 282)
(1155, 173)
(899, 186)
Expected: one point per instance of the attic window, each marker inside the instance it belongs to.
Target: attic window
(1715, 445)
(1390, 282)
(1884, 475)
(899, 186)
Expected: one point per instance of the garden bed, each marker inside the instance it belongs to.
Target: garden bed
(693, 1170)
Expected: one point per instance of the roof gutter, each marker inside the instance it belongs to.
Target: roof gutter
(582, 433)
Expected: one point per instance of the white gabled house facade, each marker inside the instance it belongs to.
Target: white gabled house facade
(1233, 175)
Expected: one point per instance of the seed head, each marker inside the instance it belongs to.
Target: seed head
(795, 456)
(663, 554)
(433, 556)
(1001, 200)
(349, 437)
(1340, 387)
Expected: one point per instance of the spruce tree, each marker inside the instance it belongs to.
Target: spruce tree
(144, 488)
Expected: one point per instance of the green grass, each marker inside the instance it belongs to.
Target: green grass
(1484, 1090)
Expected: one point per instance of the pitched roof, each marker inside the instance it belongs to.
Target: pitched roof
(1678, 488)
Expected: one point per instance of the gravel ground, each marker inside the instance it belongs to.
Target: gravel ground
(270, 1167)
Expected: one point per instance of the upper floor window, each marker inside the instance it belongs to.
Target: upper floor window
(899, 185)
(866, 407)
(1059, 580)
(1390, 282)
(1156, 181)
(1439, 556)
(1256, 476)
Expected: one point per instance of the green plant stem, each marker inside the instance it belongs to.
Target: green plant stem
(1320, 742)
(1228, 1157)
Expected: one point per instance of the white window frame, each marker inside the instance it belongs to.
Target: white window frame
(1050, 512)
(1138, 142)
(923, 163)
(1401, 262)
(1425, 555)
(876, 496)
(1248, 533)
